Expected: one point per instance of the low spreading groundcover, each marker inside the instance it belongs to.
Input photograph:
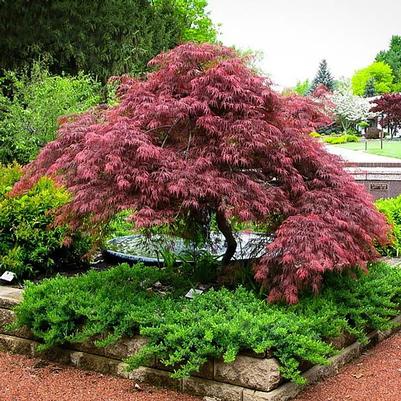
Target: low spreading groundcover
(124, 300)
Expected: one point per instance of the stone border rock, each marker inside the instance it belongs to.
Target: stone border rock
(251, 377)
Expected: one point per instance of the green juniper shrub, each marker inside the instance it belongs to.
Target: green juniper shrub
(184, 333)
(28, 245)
(391, 208)
(30, 105)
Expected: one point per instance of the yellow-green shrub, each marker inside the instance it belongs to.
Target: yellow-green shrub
(28, 244)
(335, 140)
(391, 208)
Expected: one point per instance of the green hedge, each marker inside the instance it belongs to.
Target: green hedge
(335, 140)
(391, 208)
(28, 245)
(122, 301)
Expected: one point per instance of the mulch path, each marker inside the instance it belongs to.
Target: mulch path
(25, 379)
(375, 376)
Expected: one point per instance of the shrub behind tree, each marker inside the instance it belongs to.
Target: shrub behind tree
(29, 247)
(29, 117)
(391, 208)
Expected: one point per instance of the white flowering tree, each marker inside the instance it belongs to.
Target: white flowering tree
(350, 109)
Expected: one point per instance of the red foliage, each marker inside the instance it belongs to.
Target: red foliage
(204, 134)
(321, 91)
(390, 106)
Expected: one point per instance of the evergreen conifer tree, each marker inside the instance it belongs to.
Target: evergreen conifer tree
(370, 90)
(392, 57)
(323, 77)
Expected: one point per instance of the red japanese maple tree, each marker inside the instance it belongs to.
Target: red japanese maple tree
(389, 105)
(204, 134)
(321, 91)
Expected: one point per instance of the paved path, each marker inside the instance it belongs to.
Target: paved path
(375, 376)
(24, 379)
(359, 156)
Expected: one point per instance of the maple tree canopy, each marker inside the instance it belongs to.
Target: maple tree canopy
(389, 105)
(203, 135)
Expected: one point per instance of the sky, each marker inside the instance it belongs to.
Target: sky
(295, 35)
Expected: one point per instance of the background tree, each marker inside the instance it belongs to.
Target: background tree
(103, 38)
(321, 91)
(389, 105)
(29, 118)
(344, 84)
(196, 24)
(370, 90)
(323, 77)
(302, 87)
(392, 57)
(205, 136)
(379, 72)
(349, 109)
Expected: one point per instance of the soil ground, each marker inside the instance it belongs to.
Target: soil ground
(25, 379)
(375, 376)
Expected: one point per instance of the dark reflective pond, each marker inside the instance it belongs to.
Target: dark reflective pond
(140, 248)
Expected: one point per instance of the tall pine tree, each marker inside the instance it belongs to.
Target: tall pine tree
(323, 77)
(392, 57)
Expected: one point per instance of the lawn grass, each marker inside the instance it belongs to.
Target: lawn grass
(390, 148)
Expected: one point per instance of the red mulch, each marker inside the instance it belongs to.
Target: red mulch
(375, 376)
(25, 379)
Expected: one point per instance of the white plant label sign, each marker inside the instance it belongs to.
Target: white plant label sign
(7, 276)
(192, 292)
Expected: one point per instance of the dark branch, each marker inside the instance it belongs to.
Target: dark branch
(225, 228)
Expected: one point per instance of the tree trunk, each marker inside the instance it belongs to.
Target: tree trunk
(225, 228)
